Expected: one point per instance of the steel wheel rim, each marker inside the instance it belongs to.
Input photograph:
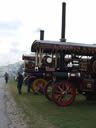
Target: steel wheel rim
(36, 84)
(63, 93)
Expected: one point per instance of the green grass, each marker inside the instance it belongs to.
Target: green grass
(45, 114)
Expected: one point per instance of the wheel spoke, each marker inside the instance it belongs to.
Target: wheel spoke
(59, 97)
(63, 86)
(67, 97)
(60, 88)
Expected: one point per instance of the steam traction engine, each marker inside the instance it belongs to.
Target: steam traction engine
(74, 67)
(33, 69)
(29, 63)
(71, 66)
(29, 67)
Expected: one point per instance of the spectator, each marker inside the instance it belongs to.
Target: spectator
(20, 82)
(6, 77)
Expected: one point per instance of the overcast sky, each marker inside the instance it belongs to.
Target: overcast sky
(21, 20)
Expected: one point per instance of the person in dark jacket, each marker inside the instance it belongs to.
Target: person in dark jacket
(6, 77)
(20, 82)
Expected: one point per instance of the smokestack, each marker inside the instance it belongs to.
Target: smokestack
(41, 34)
(63, 22)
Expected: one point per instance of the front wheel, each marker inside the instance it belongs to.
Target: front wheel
(63, 93)
(36, 84)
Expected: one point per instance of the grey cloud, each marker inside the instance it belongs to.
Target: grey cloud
(10, 58)
(37, 30)
(9, 28)
(18, 45)
(7, 33)
(12, 25)
(1, 42)
(17, 50)
(14, 50)
(13, 55)
(15, 44)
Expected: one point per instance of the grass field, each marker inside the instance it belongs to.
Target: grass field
(45, 114)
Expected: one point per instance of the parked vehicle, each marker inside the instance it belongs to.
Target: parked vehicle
(29, 67)
(74, 69)
(71, 67)
(34, 67)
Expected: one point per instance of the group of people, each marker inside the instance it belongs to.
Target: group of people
(20, 82)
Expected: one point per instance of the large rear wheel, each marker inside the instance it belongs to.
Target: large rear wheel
(63, 93)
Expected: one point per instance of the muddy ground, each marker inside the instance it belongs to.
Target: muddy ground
(10, 115)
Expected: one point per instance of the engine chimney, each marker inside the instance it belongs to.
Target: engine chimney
(63, 35)
(41, 34)
(63, 22)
